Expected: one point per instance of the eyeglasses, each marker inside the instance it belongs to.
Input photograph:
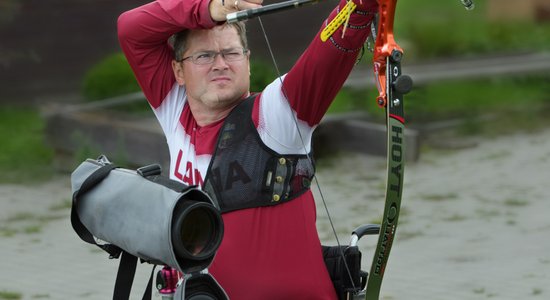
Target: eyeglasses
(208, 57)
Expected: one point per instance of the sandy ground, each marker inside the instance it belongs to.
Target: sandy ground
(474, 225)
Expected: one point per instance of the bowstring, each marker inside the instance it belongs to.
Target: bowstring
(304, 148)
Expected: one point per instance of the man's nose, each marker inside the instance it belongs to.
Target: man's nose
(219, 61)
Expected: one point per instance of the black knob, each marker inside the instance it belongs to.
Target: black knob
(402, 84)
(396, 56)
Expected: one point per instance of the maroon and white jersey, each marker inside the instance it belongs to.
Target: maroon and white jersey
(267, 252)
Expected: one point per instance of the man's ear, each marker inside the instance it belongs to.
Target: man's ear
(248, 58)
(177, 67)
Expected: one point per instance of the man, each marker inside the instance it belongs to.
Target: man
(249, 152)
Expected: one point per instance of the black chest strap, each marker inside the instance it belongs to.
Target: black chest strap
(245, 173)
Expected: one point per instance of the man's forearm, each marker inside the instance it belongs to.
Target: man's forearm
(319, 74)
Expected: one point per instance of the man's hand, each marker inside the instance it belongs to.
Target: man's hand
(220, 8)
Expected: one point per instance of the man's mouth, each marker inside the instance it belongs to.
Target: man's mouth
(221, 79)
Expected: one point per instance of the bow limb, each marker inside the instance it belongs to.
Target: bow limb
(392, 85)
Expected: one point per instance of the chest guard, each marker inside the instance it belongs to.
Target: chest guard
(245, 173)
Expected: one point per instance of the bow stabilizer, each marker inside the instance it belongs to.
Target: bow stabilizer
(266, 9)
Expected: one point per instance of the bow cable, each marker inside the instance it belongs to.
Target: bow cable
(392, 85)
(304, 148)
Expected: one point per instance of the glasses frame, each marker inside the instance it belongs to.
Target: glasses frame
(195, 57)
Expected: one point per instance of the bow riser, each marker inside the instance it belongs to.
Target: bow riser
(384, 47)
(385, 41)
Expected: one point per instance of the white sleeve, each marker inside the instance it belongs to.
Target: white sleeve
(278, 125)
(169, 111)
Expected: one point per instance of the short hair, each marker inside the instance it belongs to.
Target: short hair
(180, 45)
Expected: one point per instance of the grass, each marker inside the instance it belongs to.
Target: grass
(457, 98)
(536, 291)
(463, 98)
(64, 204)
(30, 223)
(7, 295)
(24, 154)
(435, 28)
(516, 202)
(454, 218)
(439, 197)
(7, 232)
(21, 217)
(479, 290)
(511, 103)
(32, 229)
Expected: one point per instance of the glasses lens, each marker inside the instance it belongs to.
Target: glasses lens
(208, 57)
(203, 58)
(233, 54)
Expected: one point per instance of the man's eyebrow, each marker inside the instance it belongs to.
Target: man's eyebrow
(223, 49)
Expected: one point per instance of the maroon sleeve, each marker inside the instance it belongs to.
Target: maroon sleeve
(321, 71)
(143, 34)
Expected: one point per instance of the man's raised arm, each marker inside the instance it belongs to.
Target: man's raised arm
(143, 34)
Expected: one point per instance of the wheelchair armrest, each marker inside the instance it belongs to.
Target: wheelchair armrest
(365, 229)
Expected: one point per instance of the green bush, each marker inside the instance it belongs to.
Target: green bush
(457, 98)
(111, 77)
(434, 28)
(24, 155)
(262, 74)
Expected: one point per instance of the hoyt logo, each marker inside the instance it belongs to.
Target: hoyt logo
(394, 190)
(397, 159)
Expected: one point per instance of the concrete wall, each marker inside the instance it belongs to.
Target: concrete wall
(47, 46)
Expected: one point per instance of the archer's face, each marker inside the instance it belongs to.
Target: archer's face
(220, 83)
